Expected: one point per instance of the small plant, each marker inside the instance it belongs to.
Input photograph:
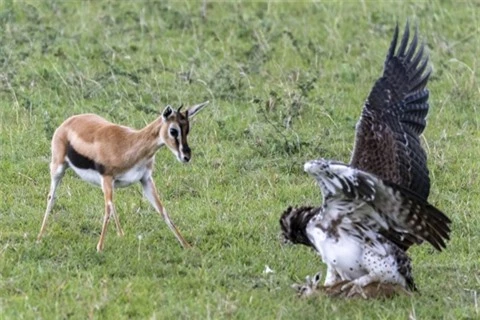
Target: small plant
(279, 113)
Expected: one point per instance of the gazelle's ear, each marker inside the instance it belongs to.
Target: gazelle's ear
(192, 111)
(167, 112)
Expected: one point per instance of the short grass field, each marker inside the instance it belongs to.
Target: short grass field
(286, 84)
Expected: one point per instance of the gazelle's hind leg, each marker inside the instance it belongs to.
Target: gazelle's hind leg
(113, 212)
(117, 222)
(150, 192)
(57, 171)
(107, 188)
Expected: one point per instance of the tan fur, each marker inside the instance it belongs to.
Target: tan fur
(116, 147)
(374, 290)
(119, 149)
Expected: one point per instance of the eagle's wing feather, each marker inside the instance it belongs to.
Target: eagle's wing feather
(382, 207)
(387, 140)
(425, 220)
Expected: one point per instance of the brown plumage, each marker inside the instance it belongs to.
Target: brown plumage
(387, 140)
(376, 207)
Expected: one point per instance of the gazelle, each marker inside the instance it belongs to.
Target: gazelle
(111, 156)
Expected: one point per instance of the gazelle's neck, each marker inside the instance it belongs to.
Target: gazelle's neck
(145, 142)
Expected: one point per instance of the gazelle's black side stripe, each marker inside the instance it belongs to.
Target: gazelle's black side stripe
(82, 162)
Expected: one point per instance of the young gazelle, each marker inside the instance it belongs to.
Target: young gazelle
(111, 156)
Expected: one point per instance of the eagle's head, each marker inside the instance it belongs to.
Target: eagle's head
(294, 223)
(324, 168)
(334, 177)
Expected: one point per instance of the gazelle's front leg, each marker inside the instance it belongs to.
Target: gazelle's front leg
(56, 172)
(151, 193)
(107, 188)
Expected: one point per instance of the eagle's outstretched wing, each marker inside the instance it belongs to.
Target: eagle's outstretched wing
(387, 140)
(377, 206)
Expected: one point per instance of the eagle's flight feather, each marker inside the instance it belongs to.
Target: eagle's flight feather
(376, 207)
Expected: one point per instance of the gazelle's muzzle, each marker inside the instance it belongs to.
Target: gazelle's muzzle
(185, 153)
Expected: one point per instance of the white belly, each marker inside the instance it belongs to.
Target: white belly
(88, 175)
(124, 179)
(134, 174)
(345, 255)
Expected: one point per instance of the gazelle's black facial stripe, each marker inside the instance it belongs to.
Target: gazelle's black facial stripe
(184, 128)
(177, 143)
(175, 133)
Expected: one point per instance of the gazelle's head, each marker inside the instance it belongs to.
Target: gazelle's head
(175, 128)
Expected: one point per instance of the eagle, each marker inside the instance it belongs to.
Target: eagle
(376, 207)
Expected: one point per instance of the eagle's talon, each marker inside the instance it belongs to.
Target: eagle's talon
(355, 289)
(347, 285)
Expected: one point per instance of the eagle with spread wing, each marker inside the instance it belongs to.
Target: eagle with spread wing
(376, 207)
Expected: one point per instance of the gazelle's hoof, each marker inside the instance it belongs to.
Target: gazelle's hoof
(186, 245)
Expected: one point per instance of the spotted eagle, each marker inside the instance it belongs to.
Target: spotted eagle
(376, 207)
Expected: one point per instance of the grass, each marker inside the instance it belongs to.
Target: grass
(286, 83)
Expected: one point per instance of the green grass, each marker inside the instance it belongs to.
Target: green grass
(286, 83)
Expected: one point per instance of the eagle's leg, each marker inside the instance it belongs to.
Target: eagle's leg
(332, 277)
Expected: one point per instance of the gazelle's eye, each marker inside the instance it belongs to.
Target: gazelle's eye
(173, 132)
